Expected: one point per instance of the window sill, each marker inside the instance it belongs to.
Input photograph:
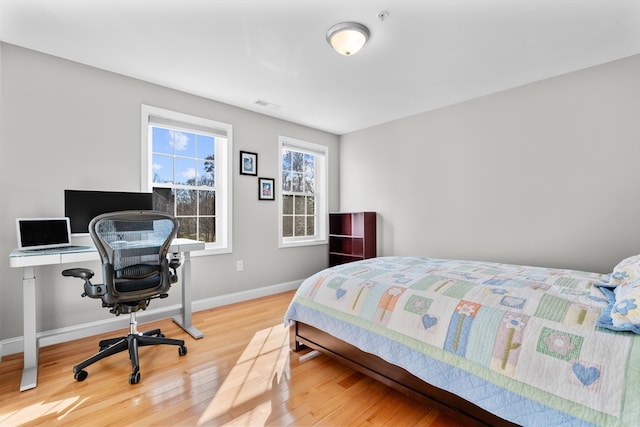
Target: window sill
(300, 243)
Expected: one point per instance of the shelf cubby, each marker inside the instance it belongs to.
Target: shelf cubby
(352, 236)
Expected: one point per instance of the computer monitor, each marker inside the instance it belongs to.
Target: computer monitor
(82, 206)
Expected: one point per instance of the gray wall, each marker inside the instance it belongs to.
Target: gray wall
(2, 164)
(71, 126)
(544, 174)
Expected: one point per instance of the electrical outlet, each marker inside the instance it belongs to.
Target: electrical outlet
(239, 265)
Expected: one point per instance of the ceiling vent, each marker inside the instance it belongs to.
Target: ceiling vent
(267, 104)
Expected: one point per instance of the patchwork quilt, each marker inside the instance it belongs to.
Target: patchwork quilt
(521, 342)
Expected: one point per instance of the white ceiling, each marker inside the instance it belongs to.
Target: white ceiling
(425, 55)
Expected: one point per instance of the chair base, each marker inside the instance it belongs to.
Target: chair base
(130, 342)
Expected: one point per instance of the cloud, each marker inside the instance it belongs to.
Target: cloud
(157, 166)
(189, 173)
(179, 140)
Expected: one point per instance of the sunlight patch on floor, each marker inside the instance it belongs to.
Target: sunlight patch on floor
(31, 413)
(245, 392)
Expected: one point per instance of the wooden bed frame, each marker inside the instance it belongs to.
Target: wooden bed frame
(302, 335)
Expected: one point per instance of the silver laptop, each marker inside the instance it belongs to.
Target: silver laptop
(37, 234)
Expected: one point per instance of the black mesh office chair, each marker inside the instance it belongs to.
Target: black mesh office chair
(133, 246)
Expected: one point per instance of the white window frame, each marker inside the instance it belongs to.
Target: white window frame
(224, 168)
(321, 192)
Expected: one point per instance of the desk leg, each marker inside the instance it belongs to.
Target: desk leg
(30, 369)
(184, 320)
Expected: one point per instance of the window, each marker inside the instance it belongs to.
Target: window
(303, 201)
(187, 165)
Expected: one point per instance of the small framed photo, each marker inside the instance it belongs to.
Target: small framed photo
(248, 163)
(266, 189)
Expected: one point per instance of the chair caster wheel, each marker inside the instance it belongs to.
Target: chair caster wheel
(134, 378)
(182, 350)
(81, 375)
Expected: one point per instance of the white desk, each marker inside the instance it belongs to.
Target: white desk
(28, 262)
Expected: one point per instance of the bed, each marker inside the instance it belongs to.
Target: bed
(498, 344)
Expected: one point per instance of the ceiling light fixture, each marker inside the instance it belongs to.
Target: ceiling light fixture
(347, 38)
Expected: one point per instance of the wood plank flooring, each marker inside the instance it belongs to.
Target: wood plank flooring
(241, 373)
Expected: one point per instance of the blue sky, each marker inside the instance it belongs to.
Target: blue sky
(190, 150)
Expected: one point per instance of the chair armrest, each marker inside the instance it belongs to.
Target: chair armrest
(175, 261)
(81, 273)
(90, 290)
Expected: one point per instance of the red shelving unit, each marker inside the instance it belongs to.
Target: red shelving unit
(352, 236)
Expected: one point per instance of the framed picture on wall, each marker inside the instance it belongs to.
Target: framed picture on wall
(266, 190)
(248, 163)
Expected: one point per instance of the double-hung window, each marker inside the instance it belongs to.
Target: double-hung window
(187, 165)
(303, 202)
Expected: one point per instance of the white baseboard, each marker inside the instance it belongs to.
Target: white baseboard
(70, 333)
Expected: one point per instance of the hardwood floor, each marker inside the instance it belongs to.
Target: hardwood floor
(240, 373)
